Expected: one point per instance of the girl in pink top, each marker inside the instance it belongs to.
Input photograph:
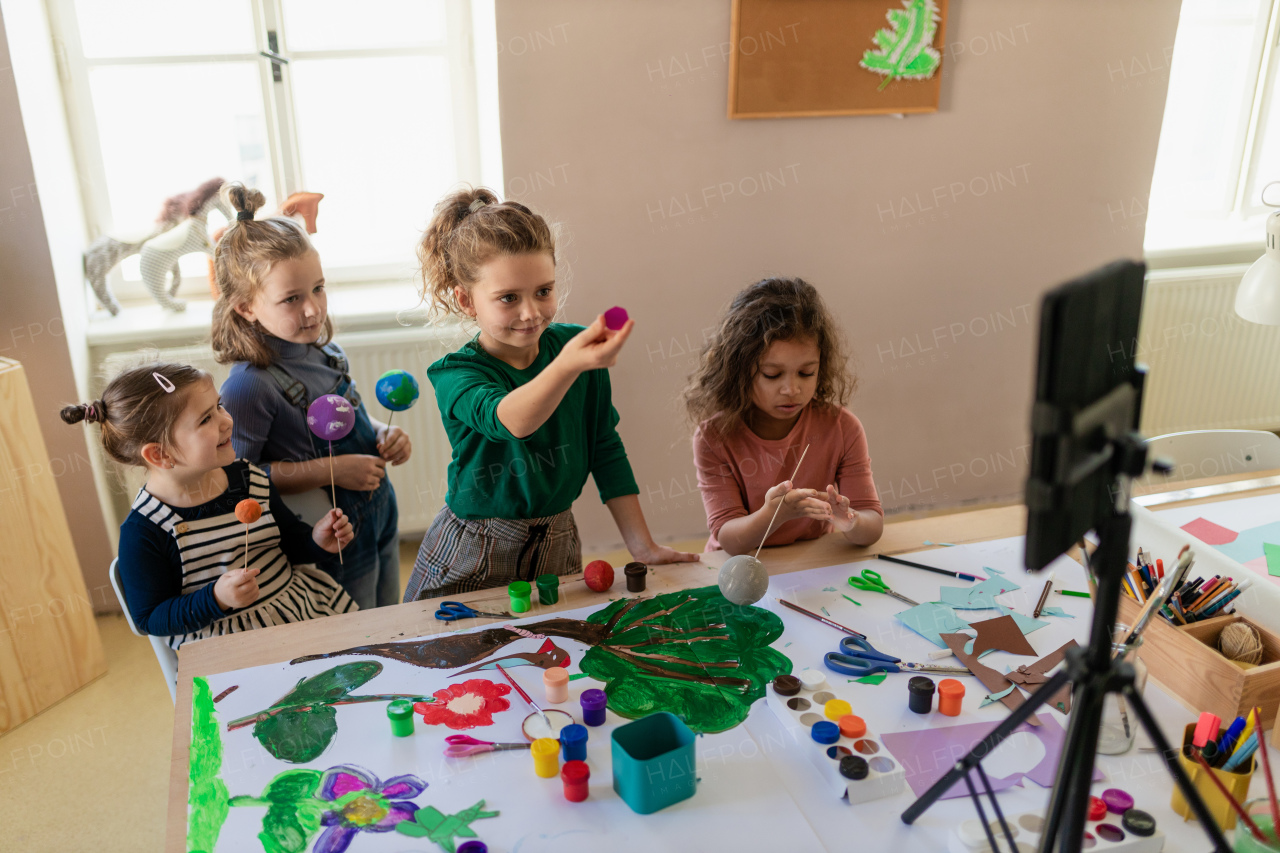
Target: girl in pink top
(772, 380)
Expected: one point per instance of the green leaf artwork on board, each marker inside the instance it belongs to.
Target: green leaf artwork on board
(293, 815)
(906, 50)
(206, 793)
(432, 824)
(299, 726)
(692, 653)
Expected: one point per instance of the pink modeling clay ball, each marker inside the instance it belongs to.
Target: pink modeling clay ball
(331, 417)
(615, 318)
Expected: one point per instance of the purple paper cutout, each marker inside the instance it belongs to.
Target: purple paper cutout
(927, 754)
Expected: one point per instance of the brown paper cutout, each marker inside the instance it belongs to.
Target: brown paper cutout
(1001, 634)
(992, 680)
(1034, 674)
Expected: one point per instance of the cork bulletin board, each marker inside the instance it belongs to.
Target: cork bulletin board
(792, 58)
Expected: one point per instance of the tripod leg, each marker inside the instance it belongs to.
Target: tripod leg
(986, 745)
(1069, 804)
(1169, 754)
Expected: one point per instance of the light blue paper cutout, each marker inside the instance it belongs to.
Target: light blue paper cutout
(932, 619)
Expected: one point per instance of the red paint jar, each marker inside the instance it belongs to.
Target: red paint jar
(575, 775)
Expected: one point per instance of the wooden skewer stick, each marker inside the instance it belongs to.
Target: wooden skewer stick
(334, 491)
(781, 502)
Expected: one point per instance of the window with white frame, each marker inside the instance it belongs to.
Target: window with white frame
(1220, 141)
(372, 104)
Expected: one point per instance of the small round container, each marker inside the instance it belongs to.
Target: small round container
(546, 757)
(520, 593)
(825, 732)
(635, 574)
(400, 713)
(1097, 809)
(556, 680)
(852, 726)
(573, 743)
(920, 694)
(548, 589)
(473, 847)
(854, 767)
(593, 703)
(786, 685)
(837, 708)
(1141, 823)
(950, 697)
(1118, 802)
(812, 679)
(576, 776)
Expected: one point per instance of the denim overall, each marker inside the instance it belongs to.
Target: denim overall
(370, 567)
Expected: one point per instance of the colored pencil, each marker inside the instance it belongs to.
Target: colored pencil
(1074, 593)
(824, 620)
(901, 562)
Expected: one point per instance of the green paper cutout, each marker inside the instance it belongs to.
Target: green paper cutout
(1272, 553)
(872, 679)
(431, 824)
(847, 598)
(206, 794)
(906, 51)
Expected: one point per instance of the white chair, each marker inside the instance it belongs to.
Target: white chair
(1217, 452)
(167, 657)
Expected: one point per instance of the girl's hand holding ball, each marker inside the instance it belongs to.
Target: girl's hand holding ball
(333, 532)
(236, 588)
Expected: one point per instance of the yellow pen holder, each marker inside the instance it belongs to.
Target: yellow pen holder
(1236, 782)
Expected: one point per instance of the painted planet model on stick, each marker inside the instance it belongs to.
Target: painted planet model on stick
(743, 579)
(396, 390)
(331, 417)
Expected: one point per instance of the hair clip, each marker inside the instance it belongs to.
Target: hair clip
(164, 383)
(476, 205)
(243, 215)
(90, 413)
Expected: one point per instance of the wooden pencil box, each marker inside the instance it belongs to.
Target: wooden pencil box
(1186, 661)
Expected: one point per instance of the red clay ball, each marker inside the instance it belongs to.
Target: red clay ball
(599, 575)
(248, 511)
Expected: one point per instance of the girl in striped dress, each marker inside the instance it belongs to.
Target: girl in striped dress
(190, 569)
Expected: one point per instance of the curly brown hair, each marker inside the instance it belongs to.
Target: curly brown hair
(241, 260)
(468, 228)
(773, 309)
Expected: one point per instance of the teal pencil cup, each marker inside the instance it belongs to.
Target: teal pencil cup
(654, 762)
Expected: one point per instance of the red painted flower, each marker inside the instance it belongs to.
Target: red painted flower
(465, 706)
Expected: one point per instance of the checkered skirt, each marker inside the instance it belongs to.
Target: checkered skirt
(461, 555)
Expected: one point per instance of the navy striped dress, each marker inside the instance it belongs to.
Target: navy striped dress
(203, 542)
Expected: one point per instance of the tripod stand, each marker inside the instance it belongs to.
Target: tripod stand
(1095, 673)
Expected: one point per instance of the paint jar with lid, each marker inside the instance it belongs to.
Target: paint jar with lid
(400, 712)
(576, 776)
(520, 594)
(635, 574)
(593, 704)
(546, 756)
(950, 697)
(920, 694)
(548, 589)
(556, 680)
(573, 742)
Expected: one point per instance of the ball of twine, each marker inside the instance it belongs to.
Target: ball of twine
(1239, 641)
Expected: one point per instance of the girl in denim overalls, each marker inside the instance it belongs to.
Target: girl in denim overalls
(271, 321)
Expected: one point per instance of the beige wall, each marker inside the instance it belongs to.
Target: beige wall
(34, 331)
(931, 237)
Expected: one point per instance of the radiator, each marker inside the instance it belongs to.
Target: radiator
(420, 483)
(1208, 368)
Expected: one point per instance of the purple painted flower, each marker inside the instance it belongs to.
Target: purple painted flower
(360, 803)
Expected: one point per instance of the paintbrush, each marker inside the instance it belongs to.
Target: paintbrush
(824, 620)
(1222, 789)
(524, 696)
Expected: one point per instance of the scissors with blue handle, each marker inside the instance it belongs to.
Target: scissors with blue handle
(870, 581)
(857, 657)
(452, 611)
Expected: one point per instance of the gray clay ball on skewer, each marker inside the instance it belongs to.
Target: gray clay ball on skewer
(743, 579)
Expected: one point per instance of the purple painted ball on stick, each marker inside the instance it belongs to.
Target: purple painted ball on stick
(615, 318)
(331, 417)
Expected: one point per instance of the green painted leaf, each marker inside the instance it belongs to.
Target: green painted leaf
(206, 793)
(289, 827)
(298, 736)
(693, 653)
(906, 49)
(330, 685)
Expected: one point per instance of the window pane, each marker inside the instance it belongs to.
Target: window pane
(165, 129)
(1267, 150)
(1210, 90)
(340, 24)
(381, 158)
(164, 27)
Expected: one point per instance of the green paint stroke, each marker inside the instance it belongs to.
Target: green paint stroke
(432, 824)
(293, 814)
(692, 653)
(906, 50)
(207, 799)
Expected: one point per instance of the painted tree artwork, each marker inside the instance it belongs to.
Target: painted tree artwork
(691, 652)
(906, 50)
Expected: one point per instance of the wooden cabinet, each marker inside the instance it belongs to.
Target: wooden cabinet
(49, 643)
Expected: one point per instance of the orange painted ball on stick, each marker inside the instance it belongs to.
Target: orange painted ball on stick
(248, 511)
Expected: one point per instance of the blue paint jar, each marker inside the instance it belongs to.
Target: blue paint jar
(593, 702)
(573, 742)
(825, 732)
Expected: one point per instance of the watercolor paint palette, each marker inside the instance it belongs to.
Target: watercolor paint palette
(1101, 836)
(884, 773)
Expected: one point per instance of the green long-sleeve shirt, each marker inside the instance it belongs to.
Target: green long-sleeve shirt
(493, 474)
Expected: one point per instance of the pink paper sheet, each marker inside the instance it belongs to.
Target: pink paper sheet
(1209, 533)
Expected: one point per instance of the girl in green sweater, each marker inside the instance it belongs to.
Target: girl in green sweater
(526, 404)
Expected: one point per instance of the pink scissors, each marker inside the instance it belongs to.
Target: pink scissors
(461, 746)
